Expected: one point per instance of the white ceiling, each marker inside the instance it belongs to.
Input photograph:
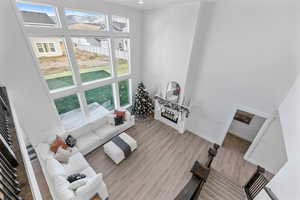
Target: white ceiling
(148, 4)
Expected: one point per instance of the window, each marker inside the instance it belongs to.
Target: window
(86, 76)
(38, 15)
(40, 47)
(101, 96)
(52, 47)
(44, 47)
(67, 104)
(86, 20)
(122, 55)
(93, 57)
(54, 66)
(124, 92)
(120, 24)
(70, 112)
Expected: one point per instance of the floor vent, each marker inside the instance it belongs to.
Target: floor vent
(31, 152)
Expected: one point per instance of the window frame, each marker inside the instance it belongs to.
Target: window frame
(63, 31)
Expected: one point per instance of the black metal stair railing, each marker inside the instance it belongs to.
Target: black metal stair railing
(256, 183)
(9, 186)
(200, 173)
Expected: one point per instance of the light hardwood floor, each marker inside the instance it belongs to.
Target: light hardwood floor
(161, 165)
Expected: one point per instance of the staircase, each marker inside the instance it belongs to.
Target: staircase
(219, 187)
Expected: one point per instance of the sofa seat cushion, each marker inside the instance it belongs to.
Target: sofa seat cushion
(55, 168)
(104, 131)
(86, 143)
(76, 164)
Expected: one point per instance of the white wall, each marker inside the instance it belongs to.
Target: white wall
(29, 95)
(26, 91)
(249, 60)
(270, 152)
(247, 131)
(167, 43)
(286, 183)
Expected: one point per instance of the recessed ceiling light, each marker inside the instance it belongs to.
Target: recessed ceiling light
(141, 2)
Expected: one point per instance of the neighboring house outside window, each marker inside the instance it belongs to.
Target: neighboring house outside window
(50, 47)
(40, 47)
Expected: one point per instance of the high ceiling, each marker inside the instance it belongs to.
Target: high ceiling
(148, 4)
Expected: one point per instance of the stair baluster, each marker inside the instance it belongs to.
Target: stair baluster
(192, 189)
(9, 186)
(256, 183)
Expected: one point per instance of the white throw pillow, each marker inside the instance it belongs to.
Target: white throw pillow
(61, 188)
(127, 116)
(95, 185)
(77, 184)
(63, 155)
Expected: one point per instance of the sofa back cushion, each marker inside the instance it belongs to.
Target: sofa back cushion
(78, 132)
(62, 188)
(98, 123)
(94, 186)
(54, 168)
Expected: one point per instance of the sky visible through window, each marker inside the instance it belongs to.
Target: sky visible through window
(36, 8)
(79, 13)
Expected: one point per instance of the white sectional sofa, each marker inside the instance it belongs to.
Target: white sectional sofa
(95, 133)
(90, 136)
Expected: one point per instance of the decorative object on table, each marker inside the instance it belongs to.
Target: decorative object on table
(62, 155)
(169, 110)
(57, 143)
(173, 92)
(143, 105)
(76, 177)
(70, 141)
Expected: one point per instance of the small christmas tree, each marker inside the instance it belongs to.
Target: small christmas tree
(143, 104)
